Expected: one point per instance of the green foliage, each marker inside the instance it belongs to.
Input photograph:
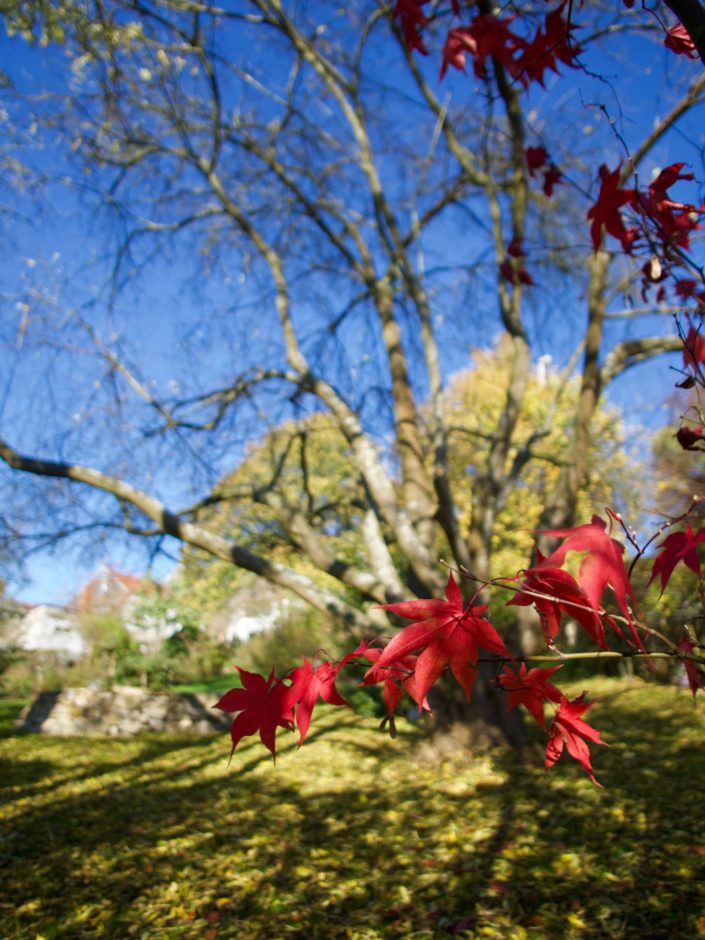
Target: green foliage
(179, 643)
(147, 669)
(305, 463)
(214, 686)
(308, 461)
(678, 473)
(110, 646)
(18, 677)
(40, 21)
(10, 657)
(156, 608)
(197, 659)
(474, 401)
(304, 632)
(187, 655)
(208, 583)
(28, 673)
(156, 836)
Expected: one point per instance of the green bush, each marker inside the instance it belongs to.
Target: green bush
(304, 632)
(32, 672)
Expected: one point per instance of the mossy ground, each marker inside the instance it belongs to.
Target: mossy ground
(351, 836)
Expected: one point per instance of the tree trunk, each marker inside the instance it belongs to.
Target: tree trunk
(478, 725)
(525, 634)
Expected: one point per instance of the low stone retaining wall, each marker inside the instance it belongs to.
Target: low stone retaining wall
(120, 712)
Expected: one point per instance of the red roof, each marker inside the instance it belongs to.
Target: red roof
(108, 590)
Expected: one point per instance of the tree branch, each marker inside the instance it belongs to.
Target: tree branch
(633, 351)
(170, 523)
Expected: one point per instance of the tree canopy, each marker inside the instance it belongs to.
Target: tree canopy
(293, 215)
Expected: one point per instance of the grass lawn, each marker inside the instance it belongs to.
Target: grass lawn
(215, 686)
(354, 837)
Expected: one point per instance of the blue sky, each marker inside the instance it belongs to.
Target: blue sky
(65, 254)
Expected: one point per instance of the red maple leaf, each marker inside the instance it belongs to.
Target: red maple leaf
(550, 45)
(446, 634)
(558, 40)
(568, 730)
(678, 40)
(512, 268)
(552, 177)
(307, 685)
(458, 43)
(695, 678)
(262, 706)
(554, 592)
(514, 248)
(412, 20)
(678, 546)
(488, 36)
(515, 275)
(674, 220)
(536, 157)
(606, 212)
(685, 287)
(398, 677)
(602, 566)
(530, 688)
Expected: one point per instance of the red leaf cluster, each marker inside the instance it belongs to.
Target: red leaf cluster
(677, 547)
(678, 40)
(512, 268)
(568, 730)
(696, 679)
(666, 224)
(605, 213)
(602, 567)
(261, 707)
(412, 20)
(693, 348)
(686, 289)
(537, 159)
(488, 36)
(446, 634)
(603, 564)
(397, 678)
(674, 221)
(555, 592)
(550, 45)
(530, 688)
(267, 704)
(308, 684)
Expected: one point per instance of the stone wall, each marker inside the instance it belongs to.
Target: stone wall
(120, 712)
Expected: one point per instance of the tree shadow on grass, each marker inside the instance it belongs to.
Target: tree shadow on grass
(627, 861)
(345, 839)
(30, 779)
